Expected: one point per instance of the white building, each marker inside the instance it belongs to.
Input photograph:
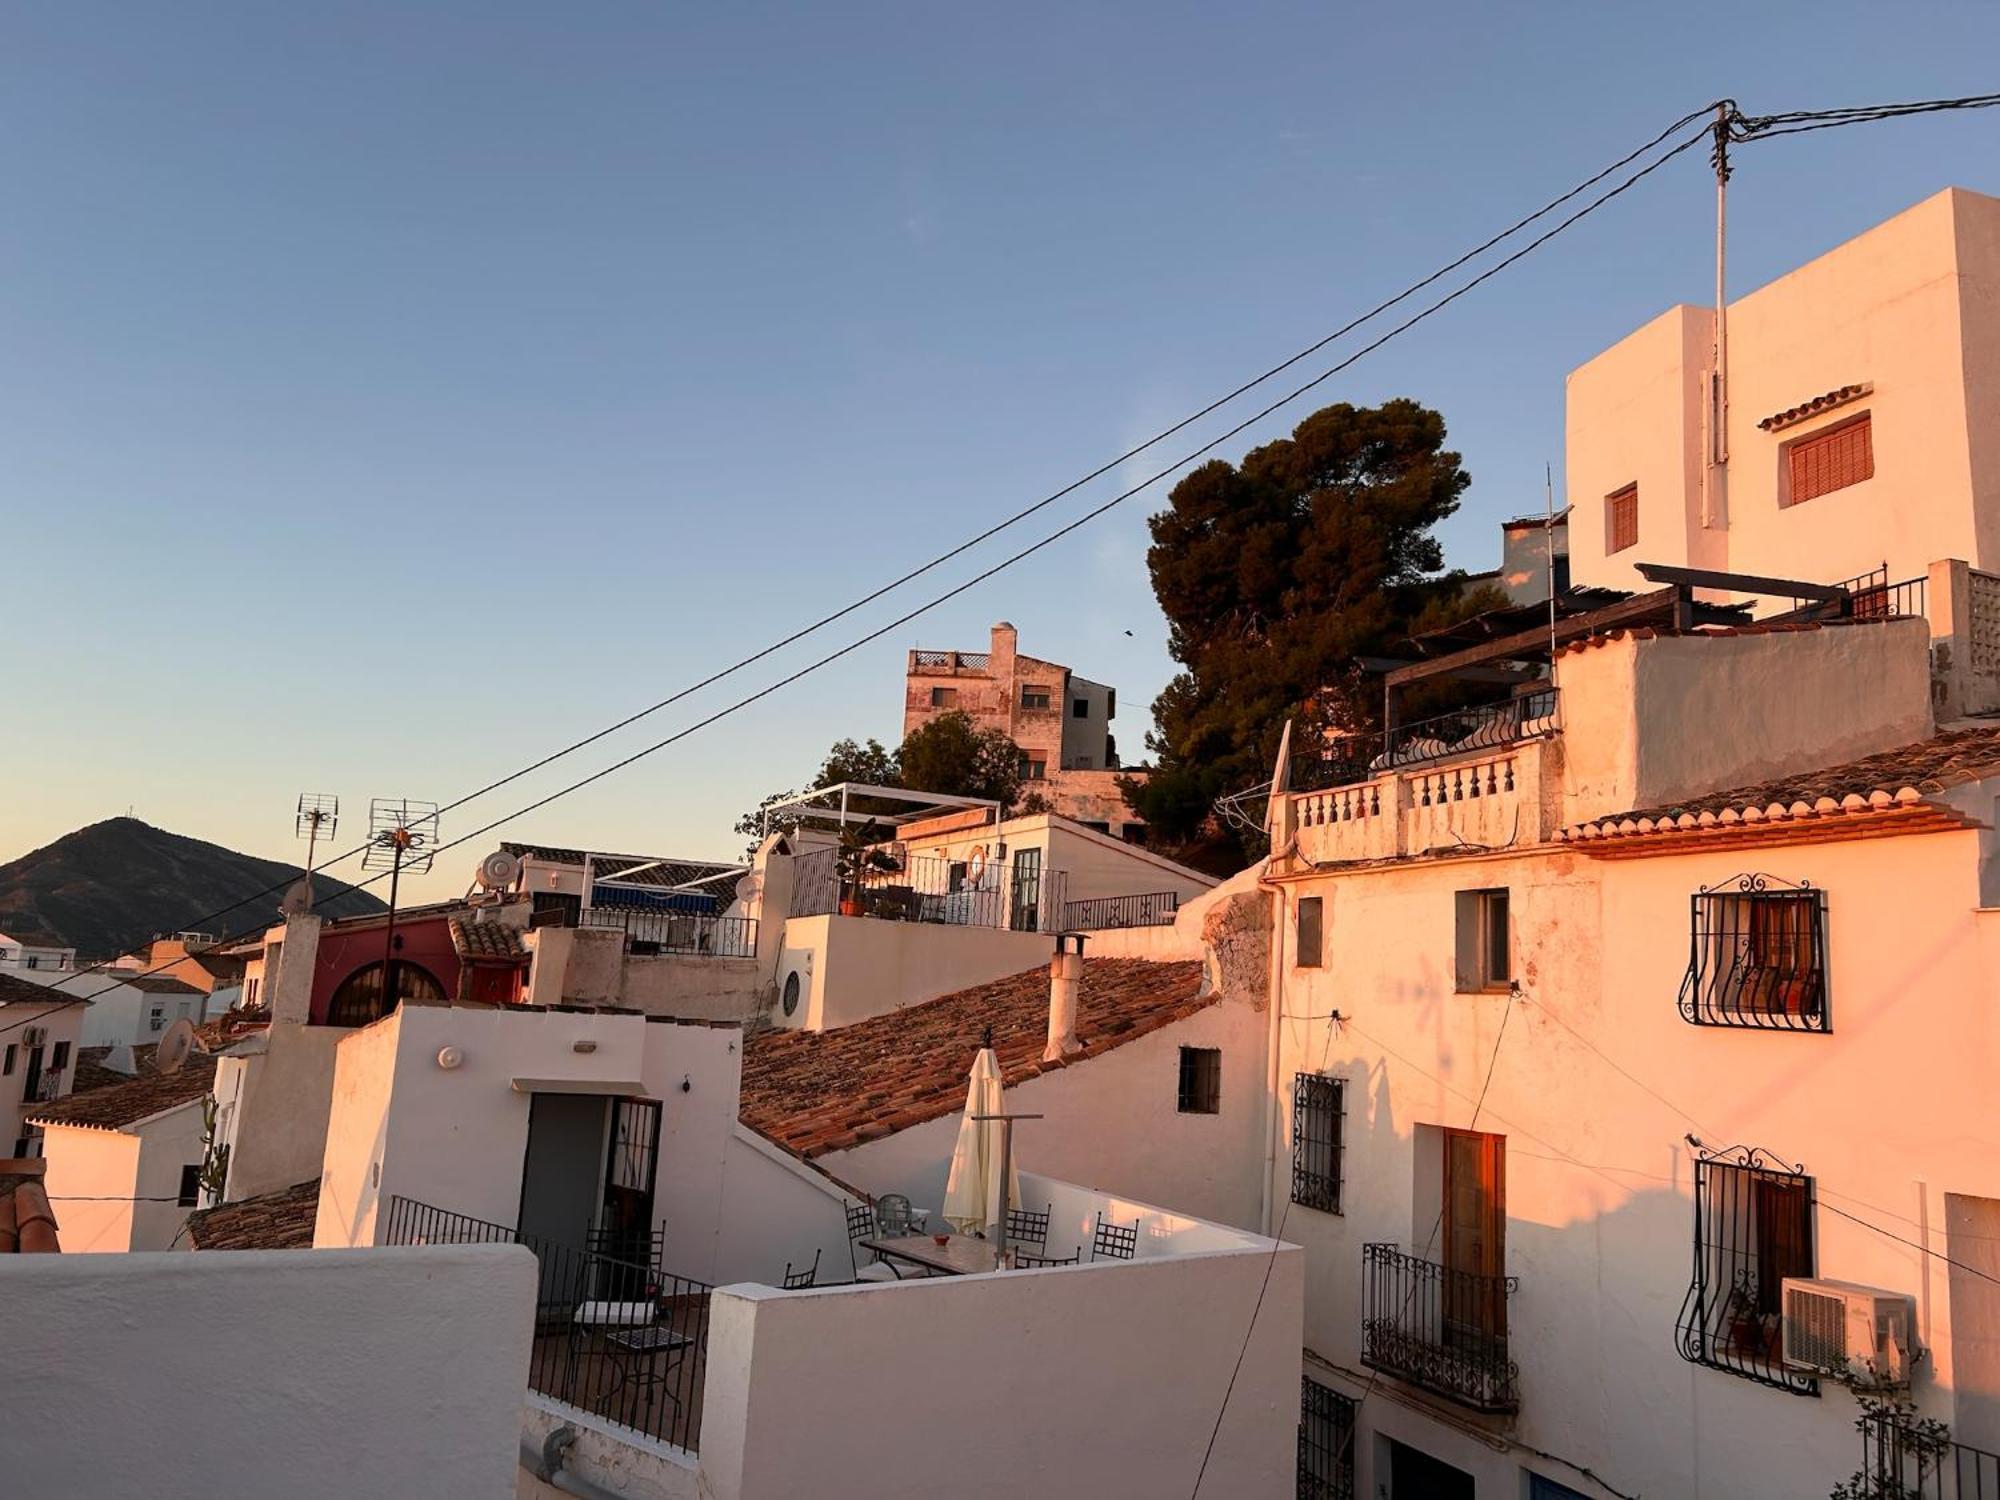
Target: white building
(1592, 1036)
(23, 955)
(38, 1041)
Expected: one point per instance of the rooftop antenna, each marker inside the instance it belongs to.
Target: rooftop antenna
(319, 814)
(402, 835)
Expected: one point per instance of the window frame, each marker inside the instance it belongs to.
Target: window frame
(1079, 708)
(1758, 956)
(1200, 1087)
(1316, 1098)
(1794, 450)
(1036, 698)
(189, 1195)
(1473, 953)
(1313, 956)
(944, 697)
(1716, 1314)
(1625, 497)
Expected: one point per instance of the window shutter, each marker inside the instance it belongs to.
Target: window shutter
(1831, 460)
(1621, 519)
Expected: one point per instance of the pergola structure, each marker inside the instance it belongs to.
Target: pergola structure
(835, 805)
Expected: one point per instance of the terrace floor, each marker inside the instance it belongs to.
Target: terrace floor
(656, 1393)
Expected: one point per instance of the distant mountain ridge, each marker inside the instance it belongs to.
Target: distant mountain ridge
(111, 887)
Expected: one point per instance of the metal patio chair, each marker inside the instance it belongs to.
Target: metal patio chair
(1026, 1227)
(796, 1281)
(1114, 1241)
(861, 1226)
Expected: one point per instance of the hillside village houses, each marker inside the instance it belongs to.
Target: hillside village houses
(1584, 1097)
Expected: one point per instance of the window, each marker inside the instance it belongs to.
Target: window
(8, 1066)
(1830, 460)
(1317, 1110)
(1083, 763)
(1541, 1487)
(1326, 1443)
(1310, 939)
(1079, 708)
(1621, 519)
(1033, 769)
(1484, 961)
(358, 1001)
(1753, 1227)
(944, 697)
(1034, 697)
(156, 1017)
(1201, 1081)
(190, 1186)
(61, 1059)
(1758, 957)
(250, 993)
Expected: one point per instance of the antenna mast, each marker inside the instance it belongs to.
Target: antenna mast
(1713, 502)
(319, 813)
(402, 835)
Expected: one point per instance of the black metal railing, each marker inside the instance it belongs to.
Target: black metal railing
(651, 932)
(1326, 1442)
(1914, 1458)
(1876, 598)
(622, 1339)
(1490, 726)
(1753, 1227)
(1154, 909)
(1757, 957)
(887, 883)
(1440, 1328)
(976, 661)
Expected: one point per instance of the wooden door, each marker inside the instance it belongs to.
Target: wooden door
(1475, 1228)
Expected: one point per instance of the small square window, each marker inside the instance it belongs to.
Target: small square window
(1201, 1080)
(1621, 519)
(1034, 697)
(1830, 460)
(1079, 708)
(1033, 770)
(156, 1018)
(1484, 958)
(1311, 938)
(190, 1186)
(944, 697)
(61, 1058)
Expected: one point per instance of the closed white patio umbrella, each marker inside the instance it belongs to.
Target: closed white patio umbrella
(972, 1192)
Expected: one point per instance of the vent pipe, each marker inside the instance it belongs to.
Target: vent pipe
(1065, 979)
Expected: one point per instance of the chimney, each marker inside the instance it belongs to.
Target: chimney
(1065, 978)
(1000, 652)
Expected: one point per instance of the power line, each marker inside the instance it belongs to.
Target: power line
(1408, 323)
(1744, 127)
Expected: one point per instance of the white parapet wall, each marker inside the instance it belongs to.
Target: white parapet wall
(1098, 1379)
(357, 1372)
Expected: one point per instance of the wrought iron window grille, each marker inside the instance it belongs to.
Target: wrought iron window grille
(1319, 1107)
(1753, 1227)
(1757, 956)
(1326, 1442)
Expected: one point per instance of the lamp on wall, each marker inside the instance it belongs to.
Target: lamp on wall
(449, 1058)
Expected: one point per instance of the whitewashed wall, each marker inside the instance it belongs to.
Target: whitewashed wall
(92, 1176)
(384, 1372)
(865, 966)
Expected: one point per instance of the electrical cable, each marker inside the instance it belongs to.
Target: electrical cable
(1486, 275)
(1744, 128)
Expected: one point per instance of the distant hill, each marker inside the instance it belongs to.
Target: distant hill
(110, 888)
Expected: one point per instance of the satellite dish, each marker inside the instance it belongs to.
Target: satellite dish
(297, 900)
(498, 870)
(176, 1042)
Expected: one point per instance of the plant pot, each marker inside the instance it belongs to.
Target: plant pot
(850, 906)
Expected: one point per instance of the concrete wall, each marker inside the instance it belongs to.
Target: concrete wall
(273, 1095)
(92, 1177)
(1088, 1380)
(866, 966)
(776, 1212)
(168, 1143)
(1594, 1079)
(384, 1373)
(63, 1023)
(589, 966)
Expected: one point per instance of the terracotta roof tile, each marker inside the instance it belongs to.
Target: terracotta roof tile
(15, 990)
(272, 1221)
(120, 1104)
(1877, 791)
(1792, 415)
(487, 941)
(27, 1223)
(815, 1092)
(156, 984)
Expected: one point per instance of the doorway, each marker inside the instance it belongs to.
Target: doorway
(1027, 890)
(561, 1180)
(1415, 1475)
(1475, 1229)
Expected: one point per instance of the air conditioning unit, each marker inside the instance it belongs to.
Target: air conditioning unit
(795, 970)
(1858, 1334)
(34, 1036)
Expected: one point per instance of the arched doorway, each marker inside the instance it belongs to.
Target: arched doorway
(359, 998)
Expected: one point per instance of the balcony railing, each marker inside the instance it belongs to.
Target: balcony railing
(654, 932)
(894, 886)
(1439, 1328)
(1486, 727)
(1875, 598)
(1154, 909)
(950, 661)
(49, 1087)
(1906, 1456)
(619, 1338)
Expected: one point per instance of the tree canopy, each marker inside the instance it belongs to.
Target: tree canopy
(950, 755)
(1275, 574)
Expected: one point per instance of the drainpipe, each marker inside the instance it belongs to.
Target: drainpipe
(546, 1464)
(1272, 1113)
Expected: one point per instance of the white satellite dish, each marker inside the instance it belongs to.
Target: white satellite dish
(498, 870)
(298, 899)
(176, 1042)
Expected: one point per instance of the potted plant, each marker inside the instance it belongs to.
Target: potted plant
(860, 856)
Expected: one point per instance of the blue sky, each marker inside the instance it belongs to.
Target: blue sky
(390, 393)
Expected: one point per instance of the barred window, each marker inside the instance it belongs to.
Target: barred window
(1326, 1442)
(1753, 1227)
(1621, 519)
(1830, 460)
(1318, 1107)
(1201, 1080)
(1757, 957)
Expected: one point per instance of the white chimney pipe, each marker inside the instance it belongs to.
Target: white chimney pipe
(1065, 978)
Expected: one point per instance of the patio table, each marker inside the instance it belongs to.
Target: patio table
(961, 1255)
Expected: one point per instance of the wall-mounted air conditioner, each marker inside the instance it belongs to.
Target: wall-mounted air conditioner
(795, 971)
(1859, 1334)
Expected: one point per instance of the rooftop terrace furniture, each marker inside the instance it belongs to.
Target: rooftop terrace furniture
(861, 1226)
(895, 1217)
(799, 1280)
(1027, 1260)
(1028, 1228)
(1114, 1241)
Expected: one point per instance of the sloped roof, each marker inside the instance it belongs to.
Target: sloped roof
(156, 984)
(1892, 787)
(91, 1073)
(487, 940)
(27, 1223)
(15, 990)
(118, 1105)
(282, 1220)
(815, 1092)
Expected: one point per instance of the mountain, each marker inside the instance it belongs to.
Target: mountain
(110, 888)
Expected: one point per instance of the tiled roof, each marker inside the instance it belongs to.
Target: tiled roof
(91, 1073)
(1792, 415)
(15, 990)
(814, 1092)
(1880, 793)
(272, 1221)
(120, 1104)
(156, 984)
(27, 1223)
(487, 940)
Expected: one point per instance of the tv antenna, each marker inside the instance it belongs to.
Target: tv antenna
(402, 835)
(318, 816)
